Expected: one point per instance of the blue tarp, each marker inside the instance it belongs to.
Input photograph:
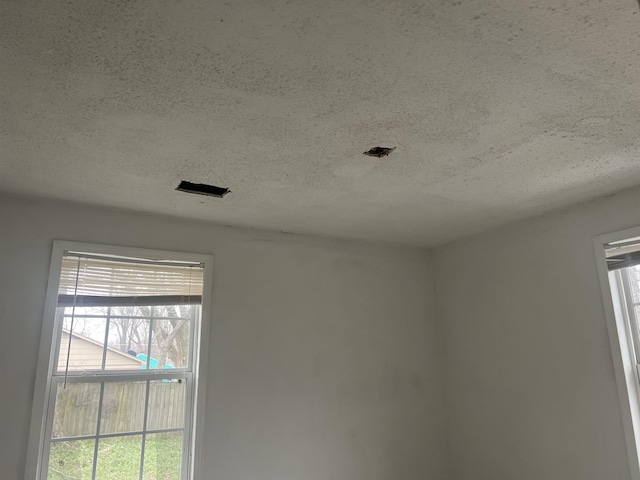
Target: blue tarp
(153, 363)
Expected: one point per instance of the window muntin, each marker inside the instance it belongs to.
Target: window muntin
(122, 379)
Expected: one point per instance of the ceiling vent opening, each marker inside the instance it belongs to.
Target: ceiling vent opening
(202, 189)
(379, 152)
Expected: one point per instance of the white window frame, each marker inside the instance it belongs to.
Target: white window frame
(47, 360)
(623, 347)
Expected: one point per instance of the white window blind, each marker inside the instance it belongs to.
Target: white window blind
(103, 281)
(623, 254)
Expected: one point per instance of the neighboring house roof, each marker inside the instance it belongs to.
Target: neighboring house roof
(86, 354)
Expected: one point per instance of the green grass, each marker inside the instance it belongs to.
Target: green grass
(118, 458)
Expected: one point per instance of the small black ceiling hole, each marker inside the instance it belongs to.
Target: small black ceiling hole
(379, 152)
(202, 189)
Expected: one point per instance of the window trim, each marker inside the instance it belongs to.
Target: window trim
(622, 347)
(47, 349)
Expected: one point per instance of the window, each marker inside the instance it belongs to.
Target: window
(618, 257)
(123, 377)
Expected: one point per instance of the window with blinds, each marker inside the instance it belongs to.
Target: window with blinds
(122, 384)
(623, 263)
(618, 261)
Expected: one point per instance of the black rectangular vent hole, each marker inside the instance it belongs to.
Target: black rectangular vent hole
(202, 189)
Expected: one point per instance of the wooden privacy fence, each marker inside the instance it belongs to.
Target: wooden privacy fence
(123, 406)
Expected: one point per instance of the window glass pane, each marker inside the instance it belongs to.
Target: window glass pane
(637, 312)
(119, 458)
(76, 410)
(123, 407)
(166, 404)
(163, 456)
(183, 312)
(128, 338)
(87, 343)
(634, 279)
(71, 459)
(170, 343)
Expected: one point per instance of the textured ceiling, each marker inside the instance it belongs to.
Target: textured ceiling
(498, 109)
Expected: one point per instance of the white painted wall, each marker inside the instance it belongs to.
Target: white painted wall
(323, 359)
(324, 356)
(530, 387)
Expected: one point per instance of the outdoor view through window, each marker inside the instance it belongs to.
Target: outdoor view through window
(121, 387)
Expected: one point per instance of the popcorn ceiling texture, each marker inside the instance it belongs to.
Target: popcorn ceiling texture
(499, 109)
